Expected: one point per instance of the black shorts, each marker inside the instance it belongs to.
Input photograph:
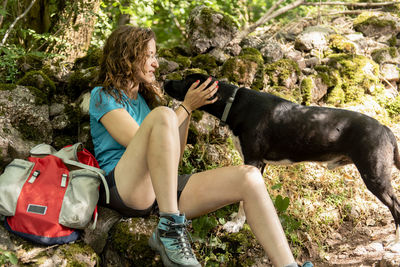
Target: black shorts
(118, 205)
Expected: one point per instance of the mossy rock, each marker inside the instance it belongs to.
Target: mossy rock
(206, 14)
(284, 92)
(205, 62)
(371, 24)
(239, 69)
(78, 254)
(279, 71)
(194, 71)
(173, 55)
(91, 59)
(129, 238)
(34, 61)
(81, 81)
(349, 77)
(306, 90)
(40, 81)
(387, 54)
(28, 132)
(340, 44)
(7, 86)
(174, 76)
(393, 107)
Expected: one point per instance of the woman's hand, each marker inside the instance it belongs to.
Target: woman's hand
(198, 95)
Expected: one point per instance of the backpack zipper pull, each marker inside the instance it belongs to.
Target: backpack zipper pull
(34, 176)
(64, 180)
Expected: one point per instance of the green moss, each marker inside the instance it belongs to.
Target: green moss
(40, 96)
(7, 86)
(305, 88)
(281, 70)
(284, 92)
(197, 115)
(237, 246)
(227, 22)
(81, 81)
(91, 59)
(367, 18)
(340, 44)
(46, 86)
(393, 40)
(351, 75)
(393, 107)
(363, 17)
(193, 71)
(73, 253)
(384, 54)
(173, 55)
(27, 131)
(33, 60)
(174, 76)
(252, 54)
(206, 62)
(133, 245)
(236, 68)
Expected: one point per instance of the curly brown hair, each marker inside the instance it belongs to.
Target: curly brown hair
(124, 55)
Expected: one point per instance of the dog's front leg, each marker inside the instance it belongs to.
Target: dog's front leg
(237, 222)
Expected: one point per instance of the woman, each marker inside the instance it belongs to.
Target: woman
(140, 151)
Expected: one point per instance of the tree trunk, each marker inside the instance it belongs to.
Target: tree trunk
(38, 18)
(75, 28)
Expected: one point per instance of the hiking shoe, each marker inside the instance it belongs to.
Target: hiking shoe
(307, 264)
(170, 239)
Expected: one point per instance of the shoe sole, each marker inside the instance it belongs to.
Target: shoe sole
(160, 250)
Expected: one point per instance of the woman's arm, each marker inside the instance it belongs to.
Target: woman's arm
(120, 125)
(196, 97)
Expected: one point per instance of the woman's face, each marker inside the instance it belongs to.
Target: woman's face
(151, 64)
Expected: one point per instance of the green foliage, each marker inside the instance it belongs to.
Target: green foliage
(8, 66)
(203, 225)
(393, 107)
(7, 257)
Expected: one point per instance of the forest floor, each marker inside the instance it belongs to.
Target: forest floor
(351, 246)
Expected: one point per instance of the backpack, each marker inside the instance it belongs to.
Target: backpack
(53, 194)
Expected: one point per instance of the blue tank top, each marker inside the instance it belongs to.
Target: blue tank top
(108, 151)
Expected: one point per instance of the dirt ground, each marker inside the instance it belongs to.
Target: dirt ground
(360, 245)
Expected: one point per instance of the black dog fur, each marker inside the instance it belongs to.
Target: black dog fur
(272, 129)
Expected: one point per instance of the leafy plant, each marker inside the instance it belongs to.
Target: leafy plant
(8, 67)
(7, 257)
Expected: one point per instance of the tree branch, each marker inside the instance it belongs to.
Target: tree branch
(15, 22)
(270, 14)
(352, 12)
(177, 24)
(352, 4)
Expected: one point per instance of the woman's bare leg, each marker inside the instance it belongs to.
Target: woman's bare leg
(149, 165)
(213, 189)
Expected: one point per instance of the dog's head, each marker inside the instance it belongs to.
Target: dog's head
(178, 89)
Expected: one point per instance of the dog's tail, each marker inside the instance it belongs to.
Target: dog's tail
(396, 154)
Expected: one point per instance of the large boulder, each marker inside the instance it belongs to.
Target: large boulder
(208, 29)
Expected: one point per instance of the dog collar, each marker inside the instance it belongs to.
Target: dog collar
(228, 107)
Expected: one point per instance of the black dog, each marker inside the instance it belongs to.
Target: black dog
(272, 129)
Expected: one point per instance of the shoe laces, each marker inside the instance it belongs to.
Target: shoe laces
(181, 236)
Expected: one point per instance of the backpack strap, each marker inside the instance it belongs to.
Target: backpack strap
(100, 172)
(69, 155)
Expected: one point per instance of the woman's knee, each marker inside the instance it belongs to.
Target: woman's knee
(251, 177)
(164, 115)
